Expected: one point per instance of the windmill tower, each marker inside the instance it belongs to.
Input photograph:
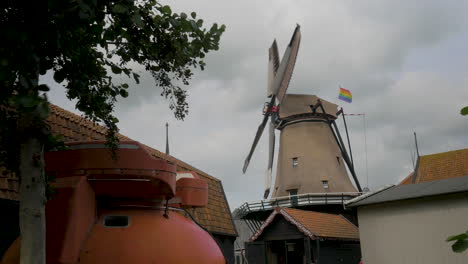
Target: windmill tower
(312, 156)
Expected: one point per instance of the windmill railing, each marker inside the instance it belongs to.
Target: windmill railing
(295, 201)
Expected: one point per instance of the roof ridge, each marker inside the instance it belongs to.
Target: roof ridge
(450, 151)
(68, 114)
(297, 223)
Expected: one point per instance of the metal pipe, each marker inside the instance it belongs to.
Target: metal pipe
(347, 136)
(348, 161)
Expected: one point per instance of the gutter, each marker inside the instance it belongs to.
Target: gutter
(366, 195)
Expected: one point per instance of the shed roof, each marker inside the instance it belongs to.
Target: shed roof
(216, 216)
(412, 191)
(314, 224)
(439, 166)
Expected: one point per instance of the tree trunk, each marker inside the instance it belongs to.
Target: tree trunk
(32, 202)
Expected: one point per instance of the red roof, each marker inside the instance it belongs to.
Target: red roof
(216, 216)
(440, 166)
(314, 224)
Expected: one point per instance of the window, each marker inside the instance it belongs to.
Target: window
(295, 162)
(293, 196)
(325, 185)
(292, 192)
(115, 221)
(290, 246)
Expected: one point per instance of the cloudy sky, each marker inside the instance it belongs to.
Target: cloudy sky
(406, 63)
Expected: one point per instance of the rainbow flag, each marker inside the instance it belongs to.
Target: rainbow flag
(345, 95)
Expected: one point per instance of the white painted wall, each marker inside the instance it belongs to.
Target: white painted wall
(414, 231)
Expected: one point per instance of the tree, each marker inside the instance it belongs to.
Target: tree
(86, 43)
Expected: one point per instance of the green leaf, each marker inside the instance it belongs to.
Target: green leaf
(43, 88)
(123, 93)
(194, 25)
(200, 22)
(183, 15)
(116, 69)
(166, 10)
(460, 246)
(458, 237)
(59, 76)
(26, 101)
(125, 85)
(136, 77)
(119, 8)
(193, 15)
(136, 18)
(464, 110)
(461, 242)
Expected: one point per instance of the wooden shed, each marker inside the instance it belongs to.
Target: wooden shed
(299, 236)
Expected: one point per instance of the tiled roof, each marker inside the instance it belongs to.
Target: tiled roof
(9, 186)
(440, 166)
(315, 224)
(407, 179)
(216, 216)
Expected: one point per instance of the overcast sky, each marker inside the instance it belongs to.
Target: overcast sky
(405, 62)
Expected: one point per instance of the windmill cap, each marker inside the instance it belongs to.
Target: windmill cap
(295, 104)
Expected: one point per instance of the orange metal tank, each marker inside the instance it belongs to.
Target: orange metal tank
(116, 211)
(149, 238)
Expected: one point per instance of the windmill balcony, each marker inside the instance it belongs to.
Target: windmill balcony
(299, 200)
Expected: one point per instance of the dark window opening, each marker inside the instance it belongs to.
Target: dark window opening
(293, 196)
(338, 159)
(116, 221)
(295, 162)
(292, 192)
(325, 185)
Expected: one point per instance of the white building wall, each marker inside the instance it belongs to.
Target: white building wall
(414, 231)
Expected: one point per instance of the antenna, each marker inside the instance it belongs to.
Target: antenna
(412, 158)
(167, 138)
(415, 174)
(416, 143)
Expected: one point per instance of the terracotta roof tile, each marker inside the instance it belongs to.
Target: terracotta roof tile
(216, 217)
(440, 166)
(407, 179)
(315, 224)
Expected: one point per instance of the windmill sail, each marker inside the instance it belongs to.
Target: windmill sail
(258, 135)
(285, 70)
(271, 156)
(282, 74)
(273, 64)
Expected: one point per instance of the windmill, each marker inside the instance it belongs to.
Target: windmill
(312, 156)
